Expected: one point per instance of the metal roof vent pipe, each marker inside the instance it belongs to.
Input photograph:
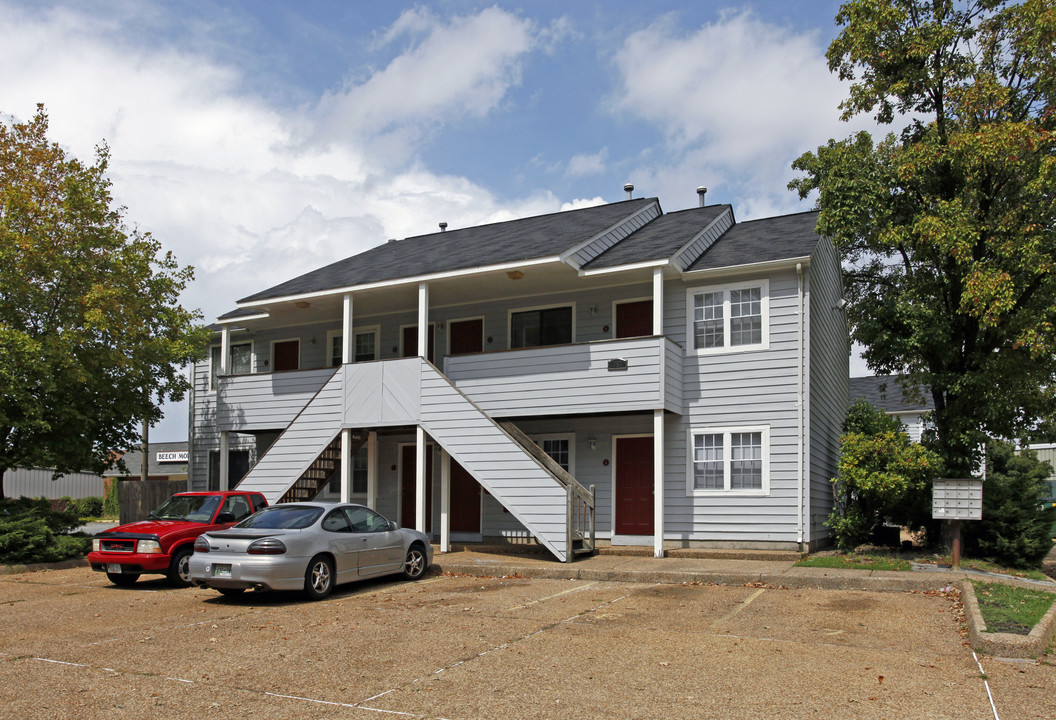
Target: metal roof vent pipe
(629, 189)
(701, 192)
(443, 227)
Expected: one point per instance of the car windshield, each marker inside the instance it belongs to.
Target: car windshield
(288, 518)
(196, 508)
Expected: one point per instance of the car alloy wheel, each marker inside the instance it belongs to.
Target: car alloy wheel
(319, 578)
(414, 565)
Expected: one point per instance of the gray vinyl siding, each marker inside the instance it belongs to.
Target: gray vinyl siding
(702, 242)
(266, 401)
(736, 389)
(600, 244)
(572, 379)
(37, 482)
(829, 372)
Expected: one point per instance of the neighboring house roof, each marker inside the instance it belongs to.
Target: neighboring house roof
(550, 236)
(759, 241)
(885, 392)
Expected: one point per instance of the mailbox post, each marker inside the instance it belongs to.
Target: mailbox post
(957, 499)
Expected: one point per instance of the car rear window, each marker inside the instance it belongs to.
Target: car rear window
(287, 518)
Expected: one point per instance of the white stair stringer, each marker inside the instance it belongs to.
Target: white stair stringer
(498, 462)
(314, 428)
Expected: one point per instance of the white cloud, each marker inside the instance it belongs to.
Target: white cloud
(737, 98)
(581, 165)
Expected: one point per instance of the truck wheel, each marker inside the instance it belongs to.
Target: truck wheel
(122, 579)
(179, 573)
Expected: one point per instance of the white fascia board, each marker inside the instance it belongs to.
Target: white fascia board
(244, 318)
(677, 256)
(783, 264)
(413, 280)
(625, 268)
(580, 245)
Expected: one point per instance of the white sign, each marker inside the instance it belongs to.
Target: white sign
(172, 457)
(957, 499)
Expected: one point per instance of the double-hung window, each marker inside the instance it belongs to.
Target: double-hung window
(241, 361)
(729, 460)
(364, 346)
(559, 448)
(730, 318)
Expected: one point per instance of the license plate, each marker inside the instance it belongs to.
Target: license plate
(222, 571)
(113, 568)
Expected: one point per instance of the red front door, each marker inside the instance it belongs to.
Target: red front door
(465, 500)
(467, 336)
(410, 342)
(408, 460)
(287, 355)
(634, 319)
(634, 486)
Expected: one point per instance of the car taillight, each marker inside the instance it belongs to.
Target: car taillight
(150, 547)
(201, 544)
(266, 546)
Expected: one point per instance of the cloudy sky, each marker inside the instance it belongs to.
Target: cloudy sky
(259, 139)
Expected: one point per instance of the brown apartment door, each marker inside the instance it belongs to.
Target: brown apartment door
(408, 458)
(634, 486)
(465, 500)
(287, 355)
(467, 336)
(410, 342)
(634, 319)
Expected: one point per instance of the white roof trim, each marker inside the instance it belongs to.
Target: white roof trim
(748, 267)
(243, 318)
(413, 280)
(624, 268)
(678, 262)
(579, 246)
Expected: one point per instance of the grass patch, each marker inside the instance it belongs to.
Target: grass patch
(856, 562)
(987, 566)
(1011, 609)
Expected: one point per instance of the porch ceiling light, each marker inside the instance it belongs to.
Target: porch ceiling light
(515, 274)
(303, 304)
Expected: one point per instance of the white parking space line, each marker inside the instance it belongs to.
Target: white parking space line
(550, 597)
(739, 607)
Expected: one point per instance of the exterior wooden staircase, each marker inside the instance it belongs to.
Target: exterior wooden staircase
(325, 468)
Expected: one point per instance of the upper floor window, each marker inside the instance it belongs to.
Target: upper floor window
(364, 346)
(730, 318)
(541, 326)
(241, 361)
(730, 460)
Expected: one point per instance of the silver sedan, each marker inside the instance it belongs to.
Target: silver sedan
(309, 546)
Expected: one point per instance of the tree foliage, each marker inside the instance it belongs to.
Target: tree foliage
(92, 335)
(1016, 529)
(884, 477)
(948, 229)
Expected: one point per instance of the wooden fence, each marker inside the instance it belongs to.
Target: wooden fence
(138, 498)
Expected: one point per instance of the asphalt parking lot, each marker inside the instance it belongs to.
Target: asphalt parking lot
(463, 647)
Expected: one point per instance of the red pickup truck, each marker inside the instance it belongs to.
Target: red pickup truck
(163, 543)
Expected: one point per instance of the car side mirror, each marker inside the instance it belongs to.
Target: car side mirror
(224, 518)
(393, 525)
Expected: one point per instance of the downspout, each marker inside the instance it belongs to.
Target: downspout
(799, 408)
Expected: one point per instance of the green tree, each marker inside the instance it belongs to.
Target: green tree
(1016, 529)
(92, 335)
(948, 229)
(884, 477)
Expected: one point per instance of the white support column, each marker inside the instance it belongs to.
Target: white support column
(419, 480)
(346, 331)
(225, 460)
(658, 426)
(658, 483)
(225, 350)
(372, 470)
(423, 320)
(658, 301)
(346, 463)
(445, 502)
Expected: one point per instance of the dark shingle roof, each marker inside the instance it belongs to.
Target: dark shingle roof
(885, 392)
(659, 239)
(503, 242)
(757, 241)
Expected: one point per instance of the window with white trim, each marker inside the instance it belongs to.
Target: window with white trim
(241, 361)
(729, 460)
(541, 326)
(731, 318)
(364, 346)
(559, 448)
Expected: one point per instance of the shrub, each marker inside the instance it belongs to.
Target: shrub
(1015, 530)
(112, 499)
(884, 477)
(86, 507)
(31, 532)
